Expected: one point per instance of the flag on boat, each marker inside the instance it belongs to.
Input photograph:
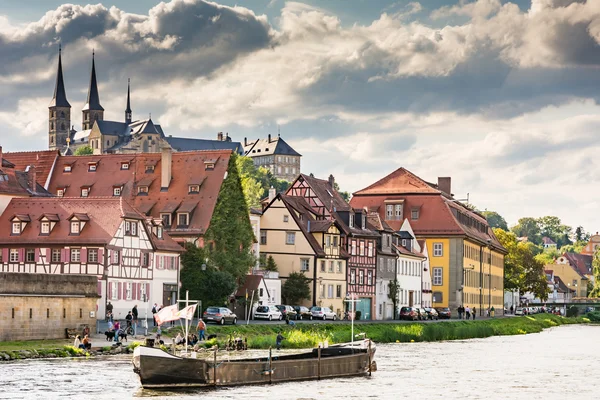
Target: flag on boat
(167, 314)
(187, 312)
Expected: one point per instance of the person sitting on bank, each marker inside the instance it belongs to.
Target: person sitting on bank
(77, 343)
(87, 343)
(117, 327)
(86, 331)
(179, 339)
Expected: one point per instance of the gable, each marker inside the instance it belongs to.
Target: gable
(400, 181)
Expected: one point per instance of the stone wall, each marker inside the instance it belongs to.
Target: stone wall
(40, 306)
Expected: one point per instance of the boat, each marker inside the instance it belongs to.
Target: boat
(160, 369)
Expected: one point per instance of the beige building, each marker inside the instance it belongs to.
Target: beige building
(570, 276)
(298, 242)
(275, 155)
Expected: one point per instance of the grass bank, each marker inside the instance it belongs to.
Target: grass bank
(19, 350)
(306, 335)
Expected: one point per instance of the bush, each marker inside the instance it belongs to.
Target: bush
(572, 311)
(593, 316)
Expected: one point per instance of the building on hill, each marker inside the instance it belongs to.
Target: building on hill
(276, 155)
(134, 260)
(467, 261)
(548, 243)
(181, 188)
(127, 136)
(592, 245)
(575, 270)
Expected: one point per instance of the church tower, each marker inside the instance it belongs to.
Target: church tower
(59, 112)
(128, 109)
(92, 110)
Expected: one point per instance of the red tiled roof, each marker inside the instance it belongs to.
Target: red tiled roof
(401, 181)
(252, 282)
(17, 183)
(581, 262)
(44, 162)
(404, 251)
(186, 167)
(326, 193)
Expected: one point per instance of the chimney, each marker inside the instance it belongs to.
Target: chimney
(0, 156)
(331, 181)
(32, 178)
(220, 136)
(272, 193)
(269, 138)
(445, 185)
(166, 165)
(245, 141)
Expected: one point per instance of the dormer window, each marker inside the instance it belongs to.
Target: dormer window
(143, 190)
(16, 228)
(125, 165)
(75, 227)
(166, 219)
(149, 169)
(159, 232)
(351, 220)
(60, 192)
(193, 189)
(183, 219)
(85, 191)
(92, 167)
(19, 222)
(130, 228)
(67, 168)
(45, 228)
(116, 190)
(209, 166)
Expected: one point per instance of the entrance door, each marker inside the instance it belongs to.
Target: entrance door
(364, 306)
(410, 298)
(169, 295)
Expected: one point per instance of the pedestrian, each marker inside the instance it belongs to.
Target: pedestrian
(134, 313)
(128, 319)
(511, 309)
(467, 313)
(492, 312)
(474, 312)
(117, 328)
(461, 310)
(201, 329)
(111, 326)
(179, 339)
(109, 310)
(154, 311)
(279, 340)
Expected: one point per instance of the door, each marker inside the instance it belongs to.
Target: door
(364, 306)
(410, 298)
(169, 294)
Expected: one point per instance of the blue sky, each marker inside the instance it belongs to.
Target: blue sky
(500, 95)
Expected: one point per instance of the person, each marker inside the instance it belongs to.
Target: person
(461, 310)
(179, 339)
(129, 318)
(474, 312)
(467, 313)
(492, 312)
(154, 311)
(201, 329)
(77, 343)
(87, 343)
(279, 340)
(109, 311)
(86, 331)
(111, 326)
(134, 313)
(158, 333)
(511, 309)
(117, 328)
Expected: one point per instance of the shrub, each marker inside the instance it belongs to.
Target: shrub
(593, 316)
(572, 311)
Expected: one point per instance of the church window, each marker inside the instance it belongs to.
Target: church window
(62, 114)
(107, 143)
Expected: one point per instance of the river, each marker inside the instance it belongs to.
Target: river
(555, 364)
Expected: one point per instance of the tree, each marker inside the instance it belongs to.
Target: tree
(495, 220)
(528, 227)
(256, 182)
(230, 236)
(345, 195)
(552, 227)
(83, 151)
(394, 291)
(271, 264)
(596, 271)
(296, 288)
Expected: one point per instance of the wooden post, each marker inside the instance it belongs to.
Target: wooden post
(215, 368)
(319, 361)
(370, 357)
(270, 367)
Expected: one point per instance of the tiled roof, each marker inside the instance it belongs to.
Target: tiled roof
(44, 162)
(251, 282)
(581, 262)
(299, 206)
(326, 193)
(113, 127)
(401, 181)
(404, 251)
(375, 220)
(185, 167)
(269, 146)
(547, 240)
(189, 144)
(103, 217)
(17, 183)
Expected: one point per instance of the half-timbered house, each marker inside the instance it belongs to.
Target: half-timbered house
(386, 266)
(135, 261)
(357, 238)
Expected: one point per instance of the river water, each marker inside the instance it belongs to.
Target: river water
(555, 364)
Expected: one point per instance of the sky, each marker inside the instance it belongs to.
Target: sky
(502, 96)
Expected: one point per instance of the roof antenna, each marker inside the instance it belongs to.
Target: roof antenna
(278, 130)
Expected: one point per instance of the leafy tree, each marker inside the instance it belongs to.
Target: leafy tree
(345, 195)
(230, 236)
(495, 220)
(206, 282)
(271, 264)
(590, 288)
(581, 235)
(256, 182)
(576, 247)
(296, 288)
(595, 292)
(553, 228)
(394, 291)
(528, 227)
(546, 257)
(83, 151)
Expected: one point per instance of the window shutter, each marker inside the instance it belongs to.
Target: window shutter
(156, 260)
(110, 290)
(5, 256)
(133, 295)
(83, 258)
(120, 291)
(101, 256)
(148, 292)
(21, 255)
(124, 290)
(37, 253)
(67, 255)
(99, 288)
(48, 255)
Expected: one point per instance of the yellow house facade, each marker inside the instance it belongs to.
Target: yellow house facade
(299, 243)
(572, 278)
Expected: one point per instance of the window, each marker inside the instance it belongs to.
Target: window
(128, 291)
(45, 227)
(134, 226)
(389, 211)
(60, 192)
(182, 219)
(263, 237)
(437, 276)
(116, 191)
(330, 266)
(290, 238)
(16, 228)
(330, 291)
(364, 222)
(30, 255)
(146, 260)
(92, 167)
(166, 220)
(404, 242)
(75, 255)
(116, 256)
(55, 255)
(369, 278)
(352, 276)
(159, 232)
(75, 228)
(14, 255)
(149, 169)
(351, 220)
(304, 264)
(194, 189)
(338, 291)
(142, 189)
(322, 291)
(92, 256)
(286, 218)
(339, 266)
(335, 241)
(414, 214)
(362, 248)
(354, 247)
(398, 211)
(125, 165)
(361, 277)
(438, 249)
(67, 168)
(85, 192)
(209, 166)
(322, 266)
(370, 249)
(437, 297)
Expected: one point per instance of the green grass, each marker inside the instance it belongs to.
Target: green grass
(34, 344)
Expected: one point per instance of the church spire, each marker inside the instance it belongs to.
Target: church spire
(93, 99)
(60, 96)
(128, 109)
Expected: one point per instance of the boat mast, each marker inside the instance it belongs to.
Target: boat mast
(352, 299)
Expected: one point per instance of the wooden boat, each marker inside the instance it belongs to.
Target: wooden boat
(159, 369)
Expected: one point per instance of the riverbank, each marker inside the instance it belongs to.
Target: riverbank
(10, 351)
(310, 335)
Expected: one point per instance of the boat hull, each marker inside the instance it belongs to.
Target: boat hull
(158, 369)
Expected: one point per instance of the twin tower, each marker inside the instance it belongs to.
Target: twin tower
(60, 110)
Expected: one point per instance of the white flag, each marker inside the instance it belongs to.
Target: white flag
(187, 312)
(167, 314)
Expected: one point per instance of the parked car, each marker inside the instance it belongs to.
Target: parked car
(409, 313)
(219, 315)
(444, 313)
(268, 312)
(520, 311)
(287, 312)
(323, 313)
(423, 314)
(431, 313)
(303, 312)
